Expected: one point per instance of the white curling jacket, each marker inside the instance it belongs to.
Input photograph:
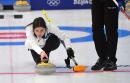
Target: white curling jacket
(33, 43)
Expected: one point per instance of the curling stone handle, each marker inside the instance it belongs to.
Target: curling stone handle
(74, 61)
(45, 60)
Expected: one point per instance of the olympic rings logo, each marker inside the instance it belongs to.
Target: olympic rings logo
(53, 2)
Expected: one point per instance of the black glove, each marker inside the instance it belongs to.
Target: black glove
(70, 53)
(122, 3)
(45, 60)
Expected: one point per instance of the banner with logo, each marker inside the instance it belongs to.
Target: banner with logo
(60, 4)
(7, 2)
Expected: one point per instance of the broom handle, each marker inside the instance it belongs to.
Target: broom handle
(74, 61)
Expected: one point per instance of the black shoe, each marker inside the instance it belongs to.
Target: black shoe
(110, 66)
(67, 62)
(99, 64)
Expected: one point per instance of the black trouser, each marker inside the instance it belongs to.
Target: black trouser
(105, 13)
(51, 44)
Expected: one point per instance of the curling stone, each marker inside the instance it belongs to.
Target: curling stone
(19, 2)
(79, 68)
(45, 68)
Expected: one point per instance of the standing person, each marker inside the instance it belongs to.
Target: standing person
(43, 38)
(105, 13)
